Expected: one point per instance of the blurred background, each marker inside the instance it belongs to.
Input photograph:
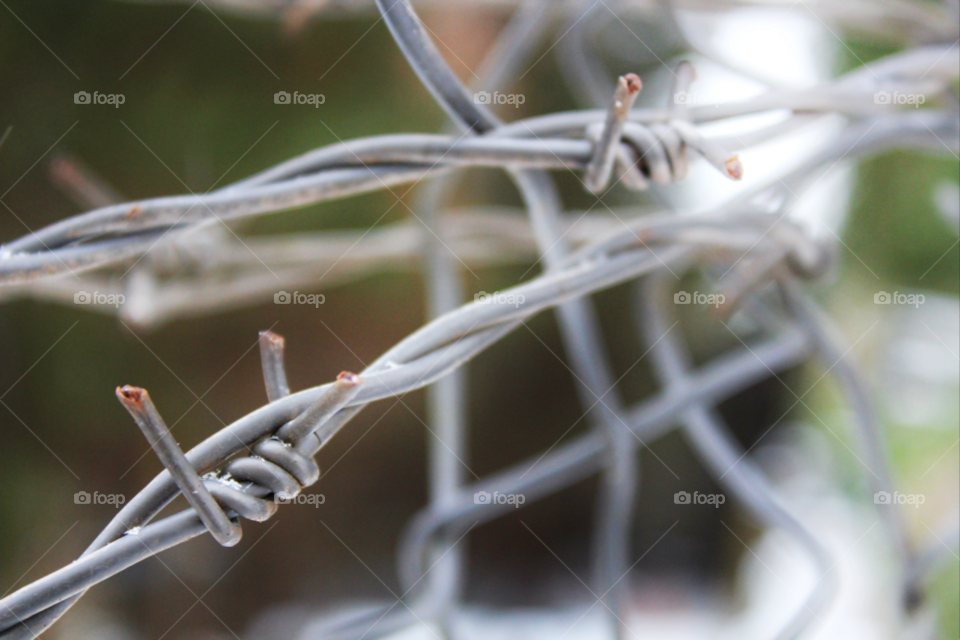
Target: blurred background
(199, 80)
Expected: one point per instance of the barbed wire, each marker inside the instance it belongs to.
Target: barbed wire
(243, 469)
(381, 162)
(420, 359)
(211, 258)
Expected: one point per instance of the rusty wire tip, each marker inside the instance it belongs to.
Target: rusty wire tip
(348, 378)
(272, 338)
(628, 87)
(726, 162)
(274, 372)
(335, 398)
(128, 394)
(607, 141)
(734, 168)
(137, 402)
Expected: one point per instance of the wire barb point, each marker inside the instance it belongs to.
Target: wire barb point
(274, 371)
(337, 396)
(137, 401)
(272, 338)
(131, 396)
(598, 172)
(348, 378)
(633, 84)
(734, 168)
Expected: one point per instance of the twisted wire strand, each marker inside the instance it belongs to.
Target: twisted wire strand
(423, 357)
(117, 232)
(222, 274)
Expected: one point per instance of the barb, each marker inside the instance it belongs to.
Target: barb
(311, 421)
(607, 139)
(137, 402)
(274, 373)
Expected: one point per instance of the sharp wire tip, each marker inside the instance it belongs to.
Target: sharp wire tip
(132, 396)
(347, 377)
(735, 168)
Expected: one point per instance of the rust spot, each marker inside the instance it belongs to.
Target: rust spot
(131, 395)
(272, 337)
(134, 212)
(734, 168)
(633, 83)
(349, 378)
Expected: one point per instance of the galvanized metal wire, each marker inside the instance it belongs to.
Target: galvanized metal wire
(236, 472)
